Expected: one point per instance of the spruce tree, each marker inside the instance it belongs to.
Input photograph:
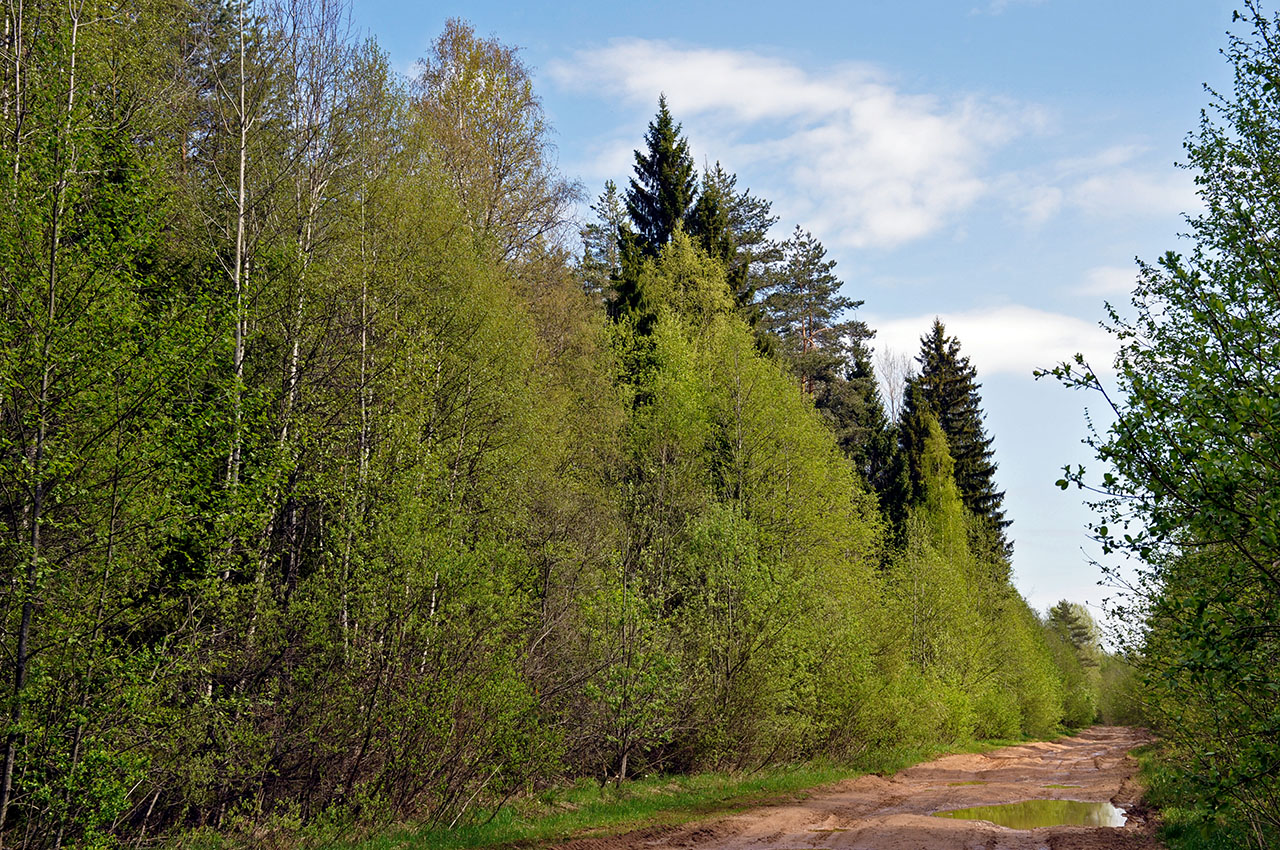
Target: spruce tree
(664, 189)
(733, 227)
(848, 398)
(948, 385)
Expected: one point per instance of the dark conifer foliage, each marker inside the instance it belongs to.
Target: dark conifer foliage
(803, 307)
(665, 187)
(848, 398)
(947, 383)
(805, 313)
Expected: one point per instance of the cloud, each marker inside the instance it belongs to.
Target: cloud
(1012, 339)
(853, 155)
(1123, 192)
(998, 7)
(1117, 181)
(1108, 281)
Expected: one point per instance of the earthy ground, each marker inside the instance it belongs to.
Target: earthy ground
(876, 813)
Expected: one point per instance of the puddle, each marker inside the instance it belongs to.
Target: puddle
(1031, 814)
(970, 782)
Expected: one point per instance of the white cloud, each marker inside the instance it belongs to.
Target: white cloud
(1108, 281)
(854, 156)
(997, 7)
(1123, 192)
(1118, 181)
(1005, 340)
(1041, 204)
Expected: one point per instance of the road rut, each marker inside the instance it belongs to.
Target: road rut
(895, 813)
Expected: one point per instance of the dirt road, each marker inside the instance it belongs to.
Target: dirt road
(876, 813)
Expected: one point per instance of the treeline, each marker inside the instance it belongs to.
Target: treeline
(1191, 487)
(340, 480)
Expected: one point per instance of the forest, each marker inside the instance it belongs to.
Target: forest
(348, 474)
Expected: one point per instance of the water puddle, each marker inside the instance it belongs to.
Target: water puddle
(969, 782)
(1032, 814)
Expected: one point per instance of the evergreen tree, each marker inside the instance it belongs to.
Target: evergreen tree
(657, 202)
(848, 398)
(948, 385)
(664, 189)
(601, 259)
(803, 308)
(734, 227)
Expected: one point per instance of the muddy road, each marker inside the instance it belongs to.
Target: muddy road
(895, 813)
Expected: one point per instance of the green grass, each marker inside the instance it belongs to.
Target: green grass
(1186, 822)
(583, 808)
(587, 809)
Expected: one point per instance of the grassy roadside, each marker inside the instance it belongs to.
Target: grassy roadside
(1186, 822)
(587, 809)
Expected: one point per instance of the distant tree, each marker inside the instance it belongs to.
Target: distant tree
(734, 227)
(803, 307)
(895, 369)
(947, 383)
(601, 261)
(848, 398)
(1074, 623)
(490, 139)
(828, 353)
(664, 189)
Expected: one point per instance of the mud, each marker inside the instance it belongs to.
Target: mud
(895, 813)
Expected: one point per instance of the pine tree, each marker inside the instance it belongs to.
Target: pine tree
(803, 308)
(948, 385)
(601, 259)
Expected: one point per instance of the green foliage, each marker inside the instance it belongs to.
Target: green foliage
(333, 497)
(1120, 699)
(663, 192)
(947, 386)
(1190, 487)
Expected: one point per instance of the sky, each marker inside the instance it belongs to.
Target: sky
(999, 164)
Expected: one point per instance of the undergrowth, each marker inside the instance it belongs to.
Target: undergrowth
(587, 808)
(1190, 822)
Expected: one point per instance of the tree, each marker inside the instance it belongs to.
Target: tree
(947, 384)
(601, 260)
(733, 227)
(804, 310)
(489, 138)
(803, 307)
(848, 398)
(1074, 622)
(664, 189)
(1191, 487)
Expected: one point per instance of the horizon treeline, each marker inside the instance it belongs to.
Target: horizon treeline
(343, 477)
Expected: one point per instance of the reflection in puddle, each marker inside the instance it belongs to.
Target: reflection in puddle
(1030, 814)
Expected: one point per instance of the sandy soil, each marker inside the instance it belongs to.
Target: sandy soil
(877, 813)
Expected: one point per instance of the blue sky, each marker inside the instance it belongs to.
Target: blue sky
(999, 163)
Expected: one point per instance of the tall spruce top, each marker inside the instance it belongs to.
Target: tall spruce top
(664, 188)
(948, 384)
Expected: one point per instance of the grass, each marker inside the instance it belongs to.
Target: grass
(1187, 823)
(585, 808)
